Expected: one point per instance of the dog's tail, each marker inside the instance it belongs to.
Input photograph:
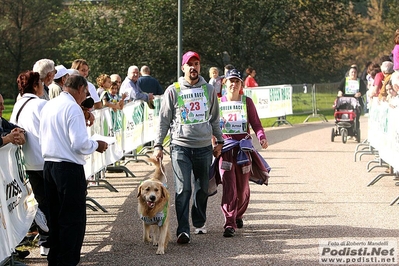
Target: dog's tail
(159, 169)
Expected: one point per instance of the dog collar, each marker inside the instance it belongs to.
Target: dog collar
(159, 218)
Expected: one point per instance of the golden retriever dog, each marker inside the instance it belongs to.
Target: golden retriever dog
(153, 208)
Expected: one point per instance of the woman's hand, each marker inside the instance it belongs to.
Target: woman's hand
(264, 143)
(217, 150)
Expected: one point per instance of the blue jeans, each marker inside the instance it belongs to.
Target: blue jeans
(185, 161)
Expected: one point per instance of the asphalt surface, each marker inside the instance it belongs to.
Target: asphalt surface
(316, 192)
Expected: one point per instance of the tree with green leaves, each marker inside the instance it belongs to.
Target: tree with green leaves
(286, 41)
(26, 36)
(114, 35)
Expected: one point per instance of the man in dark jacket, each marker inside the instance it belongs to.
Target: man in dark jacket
(8, 131)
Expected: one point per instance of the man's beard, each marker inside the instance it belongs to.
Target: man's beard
(193, 78)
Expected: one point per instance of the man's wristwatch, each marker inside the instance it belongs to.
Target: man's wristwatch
(220, 142)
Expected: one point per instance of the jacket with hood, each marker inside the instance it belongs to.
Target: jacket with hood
(188, 135)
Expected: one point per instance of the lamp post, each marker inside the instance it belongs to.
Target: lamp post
(179, 36)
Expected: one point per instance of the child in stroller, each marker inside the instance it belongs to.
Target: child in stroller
(346, 112)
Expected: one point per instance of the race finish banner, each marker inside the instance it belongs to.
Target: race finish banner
(17, 203)
(271, 101)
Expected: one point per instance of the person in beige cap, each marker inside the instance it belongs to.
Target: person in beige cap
(55, 88)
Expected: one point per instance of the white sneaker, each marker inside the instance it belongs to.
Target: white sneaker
(200, 231)
(44, 251)
(41, 221)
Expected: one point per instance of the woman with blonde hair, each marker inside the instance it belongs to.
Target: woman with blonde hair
(103, 83)
(216, 80)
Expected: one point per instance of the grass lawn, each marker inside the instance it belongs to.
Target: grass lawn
(8, 105)
(300, 118)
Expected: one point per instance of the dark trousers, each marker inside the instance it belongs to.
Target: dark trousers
(65, 187)
(36, 179)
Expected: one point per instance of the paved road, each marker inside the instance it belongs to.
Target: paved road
(316, 192)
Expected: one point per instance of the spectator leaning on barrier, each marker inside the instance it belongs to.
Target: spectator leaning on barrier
(190, 110)
(250, 79)
(387, 70)
(148, 83)
(47, 71)
(378, 79)
(83, 67)
(216, 80)
(9, 132)
(111, 98)
(372, 71)
(115, 78)
(392, 97)
(395, 86)
(395, 51)
(132, 89)
(26, 114)
(65, 142)
(55, 88)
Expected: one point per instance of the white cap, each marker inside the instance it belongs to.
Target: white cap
(61, 71)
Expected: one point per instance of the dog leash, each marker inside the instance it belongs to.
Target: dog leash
(162, 171)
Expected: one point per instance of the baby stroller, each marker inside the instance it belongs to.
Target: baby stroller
(345, 113)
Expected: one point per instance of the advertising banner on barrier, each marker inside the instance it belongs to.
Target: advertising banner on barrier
(95, 161)
(5, 249)
(151, 120)
(383, 131)
(133, 126)
(271, 101)
(17, 204)
(112, 124)
(103, 129)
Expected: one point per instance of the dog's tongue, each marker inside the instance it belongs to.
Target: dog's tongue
(150, 204)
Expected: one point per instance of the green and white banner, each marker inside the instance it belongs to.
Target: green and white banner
(17, 203)
(130, 127)
(271, 101)
(383, 131)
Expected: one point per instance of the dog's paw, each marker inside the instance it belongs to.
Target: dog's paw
(160, 251)
(155, 243)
